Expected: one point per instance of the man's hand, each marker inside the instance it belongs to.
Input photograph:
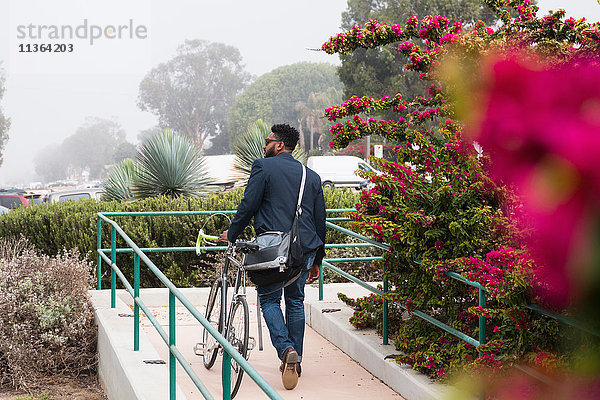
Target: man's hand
(223, 237)
(313, 273)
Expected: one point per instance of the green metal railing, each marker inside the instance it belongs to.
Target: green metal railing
(481, 292)
(422, 315)
(175, 356)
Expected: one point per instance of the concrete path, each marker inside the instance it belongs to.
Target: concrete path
(328, 373)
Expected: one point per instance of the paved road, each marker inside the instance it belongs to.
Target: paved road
(328, 373)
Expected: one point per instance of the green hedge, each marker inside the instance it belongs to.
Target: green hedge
(52, 227)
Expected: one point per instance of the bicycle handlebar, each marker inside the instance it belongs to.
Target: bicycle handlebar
(244, 246)
(202, 237)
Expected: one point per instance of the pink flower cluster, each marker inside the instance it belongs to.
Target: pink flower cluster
(356, 128)
(570, 23)
(373, 34)
(356, 105)
(412, 21)
(420, 60)
(406, 47)
(430, 24)
(425, 115)
(526, 11)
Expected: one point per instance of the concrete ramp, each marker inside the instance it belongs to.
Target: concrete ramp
(339, 362)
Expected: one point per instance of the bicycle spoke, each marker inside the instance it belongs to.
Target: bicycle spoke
(238, 332)
(213, 314)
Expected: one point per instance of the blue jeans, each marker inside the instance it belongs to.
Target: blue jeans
(288, 332)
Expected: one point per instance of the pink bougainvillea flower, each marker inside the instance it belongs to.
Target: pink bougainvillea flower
(542, 131)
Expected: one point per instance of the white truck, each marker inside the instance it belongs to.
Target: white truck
(340, 171)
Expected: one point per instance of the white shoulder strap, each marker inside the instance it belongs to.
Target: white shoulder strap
(301, 193)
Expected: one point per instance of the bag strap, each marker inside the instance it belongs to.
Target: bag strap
(301, 193)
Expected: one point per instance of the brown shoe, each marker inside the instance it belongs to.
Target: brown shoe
(298, 369)
(289, 375)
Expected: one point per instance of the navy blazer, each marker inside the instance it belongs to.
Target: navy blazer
(271, 197)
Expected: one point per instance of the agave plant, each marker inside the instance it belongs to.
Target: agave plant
(249, 147)
(119, 182)
(170, 164)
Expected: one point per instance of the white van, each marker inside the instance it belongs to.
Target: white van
(74, 194)
(340, 171)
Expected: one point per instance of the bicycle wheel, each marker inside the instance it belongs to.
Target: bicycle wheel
(238, 331)
(213, 315)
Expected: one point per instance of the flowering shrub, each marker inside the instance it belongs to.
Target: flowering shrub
(437, 207)
(46, 320)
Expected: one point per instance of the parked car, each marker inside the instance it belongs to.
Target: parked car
(4, 210)
(13, 200)
(340, 170)
(74, 194)
(36, 196)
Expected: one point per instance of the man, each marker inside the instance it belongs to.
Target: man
(271, 197)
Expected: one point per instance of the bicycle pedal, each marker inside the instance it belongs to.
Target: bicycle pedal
(251, 343)
(199, 349)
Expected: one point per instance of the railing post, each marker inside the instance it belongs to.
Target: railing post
(172, 364)
(481, 319)
(98, 257)
(113, 260)
(226, 376)
(136, 307)
(321, 283)
(385, 310)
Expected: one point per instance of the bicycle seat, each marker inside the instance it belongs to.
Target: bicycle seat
(246, 247)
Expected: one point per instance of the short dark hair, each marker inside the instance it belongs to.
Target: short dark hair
(288, 134)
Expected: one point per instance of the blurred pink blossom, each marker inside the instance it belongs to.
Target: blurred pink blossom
(542, 131)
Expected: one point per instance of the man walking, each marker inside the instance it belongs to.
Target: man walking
(270, 197)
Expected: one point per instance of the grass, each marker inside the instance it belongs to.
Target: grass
(43, 396)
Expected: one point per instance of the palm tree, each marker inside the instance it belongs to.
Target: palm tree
(248, 148)
(170, 164)
(119, 182)
(311, 113)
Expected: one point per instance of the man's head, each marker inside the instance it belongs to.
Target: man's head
(283, 138)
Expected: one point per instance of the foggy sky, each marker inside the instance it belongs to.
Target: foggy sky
(46, 108)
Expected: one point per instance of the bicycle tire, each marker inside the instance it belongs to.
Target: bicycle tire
(213, 315)
(238, 332)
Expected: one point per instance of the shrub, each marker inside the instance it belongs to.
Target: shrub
(70, 225)
(46, 319)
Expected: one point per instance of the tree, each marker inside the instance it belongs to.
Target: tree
(379, 71)
(311, 116)
(97, 143)
(93, 146)
(147, 134)
(4, 122)
(124, 150)
(273, 96)
(192, 92)
(50, 163)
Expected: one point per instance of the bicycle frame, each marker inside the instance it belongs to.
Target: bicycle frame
(240, 282)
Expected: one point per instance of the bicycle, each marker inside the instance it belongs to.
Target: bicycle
(234, 324)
